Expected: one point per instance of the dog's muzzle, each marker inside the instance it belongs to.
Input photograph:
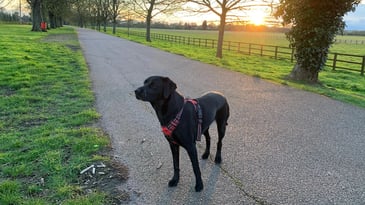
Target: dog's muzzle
(140, 94)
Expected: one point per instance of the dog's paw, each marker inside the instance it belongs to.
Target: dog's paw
(218, 159)
(173, 182)
(199, 187)
(205, 155)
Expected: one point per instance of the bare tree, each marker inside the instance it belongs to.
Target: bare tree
(114, 12)
(56, 10)
(81, 9)
(105, 12)
(222, 8)
(94, 12)
(101, 11)
(148, 9)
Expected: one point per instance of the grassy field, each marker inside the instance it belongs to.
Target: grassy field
(340, 84)
(266, 38)
(248, 37)
(47, 119)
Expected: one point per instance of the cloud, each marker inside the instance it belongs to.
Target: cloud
(356, 20)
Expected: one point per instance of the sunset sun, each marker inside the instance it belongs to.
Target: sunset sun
(257, 17)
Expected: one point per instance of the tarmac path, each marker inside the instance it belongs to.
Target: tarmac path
(282, 146)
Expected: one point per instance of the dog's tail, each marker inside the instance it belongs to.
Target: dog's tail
(223, 113)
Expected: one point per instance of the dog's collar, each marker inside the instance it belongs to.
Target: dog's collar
(171, 126)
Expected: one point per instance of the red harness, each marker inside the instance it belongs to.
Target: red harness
(171, 126)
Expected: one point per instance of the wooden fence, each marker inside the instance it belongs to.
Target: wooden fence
(335, 60)
(350, 41)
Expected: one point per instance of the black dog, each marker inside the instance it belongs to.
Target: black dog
(184, 120)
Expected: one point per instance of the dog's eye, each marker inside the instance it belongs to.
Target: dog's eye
(152, 85)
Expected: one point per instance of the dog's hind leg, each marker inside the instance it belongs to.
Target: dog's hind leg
(193, 154)
(221, 119)
(218, 155)
(207, 148)
(175, 157)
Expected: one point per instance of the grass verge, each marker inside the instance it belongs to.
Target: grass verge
(48, 122)
(341, 85)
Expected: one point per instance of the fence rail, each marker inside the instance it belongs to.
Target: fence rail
(335, 60)
(350, 41)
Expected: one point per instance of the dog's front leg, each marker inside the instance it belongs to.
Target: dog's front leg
(193, 154)
(175, 158)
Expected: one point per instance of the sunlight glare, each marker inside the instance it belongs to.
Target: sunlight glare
(257, 17)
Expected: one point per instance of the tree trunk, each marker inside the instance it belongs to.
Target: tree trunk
(105, 24)
(81, 21)
(115, 14)
(222, 25)
(81, 17)
(52, 20)
(36, 15)
(301, 74)
(114, 25)
(148, 21)
(59, 22)
(148, 29)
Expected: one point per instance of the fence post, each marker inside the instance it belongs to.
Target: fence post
(334, 62)
(249, 49)
(292, 54)
(261, 49)
(239, 47)
(276, 52)
(363, 65)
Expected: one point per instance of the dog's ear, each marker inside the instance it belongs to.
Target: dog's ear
(169, 87)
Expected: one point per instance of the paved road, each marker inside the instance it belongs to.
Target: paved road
(283, 146)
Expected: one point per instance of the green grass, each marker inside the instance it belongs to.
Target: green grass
(340, 84)
(46, 118)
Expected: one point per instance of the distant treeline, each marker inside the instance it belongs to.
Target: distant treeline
(211, 26)
(203, 26)
(355, 33)
(12, 17)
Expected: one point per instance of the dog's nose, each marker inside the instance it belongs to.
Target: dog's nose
(138, 93)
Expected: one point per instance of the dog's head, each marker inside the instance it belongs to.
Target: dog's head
(155, 89)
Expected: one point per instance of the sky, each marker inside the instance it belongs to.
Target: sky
(354, 20)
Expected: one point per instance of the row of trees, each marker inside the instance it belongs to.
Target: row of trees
(7, 17)
(78, 12)
(51, 11)
(314, 23)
